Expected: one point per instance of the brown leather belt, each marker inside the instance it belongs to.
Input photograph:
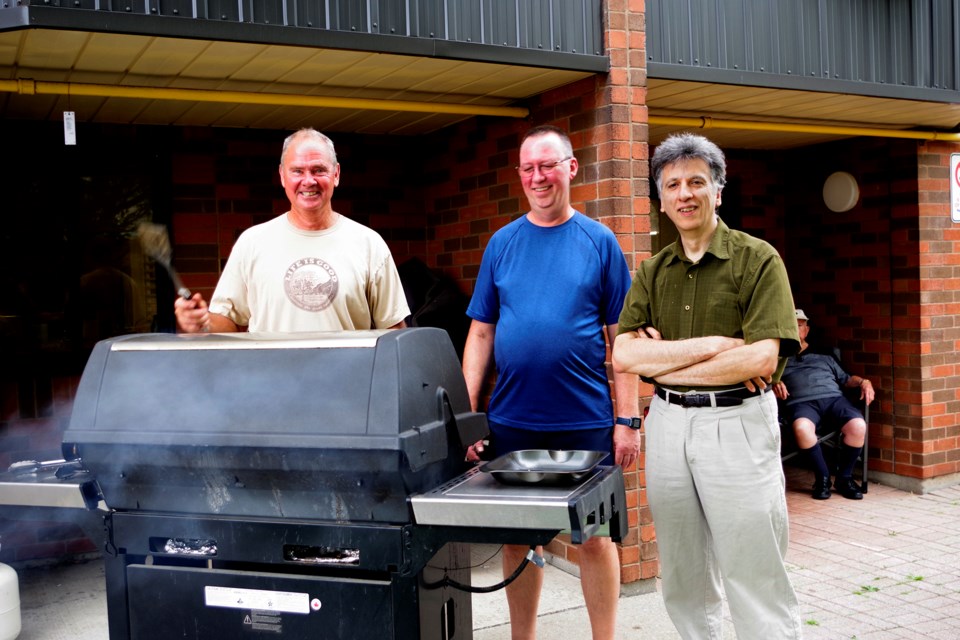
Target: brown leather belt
(730, 398)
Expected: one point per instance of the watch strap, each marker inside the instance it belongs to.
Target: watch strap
(633, 423)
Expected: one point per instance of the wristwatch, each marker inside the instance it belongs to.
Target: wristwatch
(633, 423)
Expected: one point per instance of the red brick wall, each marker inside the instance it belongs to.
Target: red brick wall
(932, 449)
(880, 282)
(606, 120)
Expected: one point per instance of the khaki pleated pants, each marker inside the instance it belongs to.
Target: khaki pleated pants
(715, 486)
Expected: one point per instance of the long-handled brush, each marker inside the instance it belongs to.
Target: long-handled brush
(156, 244)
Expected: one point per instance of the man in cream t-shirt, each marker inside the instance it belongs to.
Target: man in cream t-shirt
(310, 269)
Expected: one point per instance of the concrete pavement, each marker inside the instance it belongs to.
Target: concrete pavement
(883, 568)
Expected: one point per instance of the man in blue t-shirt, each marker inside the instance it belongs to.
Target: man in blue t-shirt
(812, 385)
(550, 285)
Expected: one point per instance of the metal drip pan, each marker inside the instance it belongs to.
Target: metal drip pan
(543, 466)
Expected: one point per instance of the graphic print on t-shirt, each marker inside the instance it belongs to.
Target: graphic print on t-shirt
(311, 284)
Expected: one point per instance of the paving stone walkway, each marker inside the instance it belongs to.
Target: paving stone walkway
(883, 568)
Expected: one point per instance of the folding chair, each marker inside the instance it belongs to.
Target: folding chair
(832, 437)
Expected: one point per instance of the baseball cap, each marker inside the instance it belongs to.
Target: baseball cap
(801, 315)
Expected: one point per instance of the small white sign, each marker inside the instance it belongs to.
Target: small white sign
(69, 128)
(231, 598)
(955, 187)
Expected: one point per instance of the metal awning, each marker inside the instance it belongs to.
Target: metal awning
(247, 71)
(751, 117)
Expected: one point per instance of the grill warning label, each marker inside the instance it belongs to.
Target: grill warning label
(263, 621)
(264, 602)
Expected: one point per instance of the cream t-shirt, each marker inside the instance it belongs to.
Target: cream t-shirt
(281, 278)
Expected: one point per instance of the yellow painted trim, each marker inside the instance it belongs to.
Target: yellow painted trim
(706, 122)
(28, 87)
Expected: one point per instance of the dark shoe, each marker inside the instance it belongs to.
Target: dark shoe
(848, 488)
(821, 488)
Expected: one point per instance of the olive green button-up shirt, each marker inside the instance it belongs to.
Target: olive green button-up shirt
(739, 289)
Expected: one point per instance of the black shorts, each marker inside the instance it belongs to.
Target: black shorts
(506, 440)
(826, 413)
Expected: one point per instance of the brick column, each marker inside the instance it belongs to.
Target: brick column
(477, 191)
(931, 448)
(615, 125)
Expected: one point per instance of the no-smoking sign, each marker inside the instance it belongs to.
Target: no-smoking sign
(955, 187)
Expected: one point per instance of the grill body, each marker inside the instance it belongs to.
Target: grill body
(258, 484)
(252, 588)
(266, 485)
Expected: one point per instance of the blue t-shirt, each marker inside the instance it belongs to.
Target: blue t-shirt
(551, 291)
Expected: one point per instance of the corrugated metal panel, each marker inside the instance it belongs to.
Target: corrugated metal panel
(303, 13)
(569, 26)
(427, 19)
(502, 19)
(392, 17)
(904, 43)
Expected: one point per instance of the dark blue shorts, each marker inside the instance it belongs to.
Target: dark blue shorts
(508, 439)
(826, 413)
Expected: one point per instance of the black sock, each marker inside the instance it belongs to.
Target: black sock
(819, 464)
(848, 458)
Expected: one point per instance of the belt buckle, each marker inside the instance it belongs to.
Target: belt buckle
(696, 400)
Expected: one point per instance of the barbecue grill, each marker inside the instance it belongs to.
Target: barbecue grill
(301, 486)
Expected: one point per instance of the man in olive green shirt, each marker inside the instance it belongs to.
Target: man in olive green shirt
(709, 320)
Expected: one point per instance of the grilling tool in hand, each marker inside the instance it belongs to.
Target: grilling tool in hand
(156, 243)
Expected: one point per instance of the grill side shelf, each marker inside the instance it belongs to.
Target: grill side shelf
(601, 509)
(45, 489)
(596, 506)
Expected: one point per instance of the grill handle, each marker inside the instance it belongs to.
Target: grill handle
(430, 443)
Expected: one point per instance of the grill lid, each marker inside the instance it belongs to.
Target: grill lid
(336, 425)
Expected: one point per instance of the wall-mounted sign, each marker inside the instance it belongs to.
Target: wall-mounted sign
(955, 187)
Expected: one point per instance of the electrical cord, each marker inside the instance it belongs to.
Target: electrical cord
(473, 566)
(447, 581)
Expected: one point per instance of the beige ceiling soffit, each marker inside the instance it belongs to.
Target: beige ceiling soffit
(705, 122)
(28, 87)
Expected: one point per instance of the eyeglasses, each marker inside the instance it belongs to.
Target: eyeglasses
(546, 168)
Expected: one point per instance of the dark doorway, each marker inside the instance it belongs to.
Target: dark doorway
(71, 269)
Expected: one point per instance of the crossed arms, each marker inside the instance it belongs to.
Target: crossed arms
(709, 361)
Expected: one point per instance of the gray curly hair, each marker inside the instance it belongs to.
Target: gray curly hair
(688, 146)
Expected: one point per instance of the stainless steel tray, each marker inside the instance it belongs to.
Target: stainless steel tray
(543, 466)
(44, 488)
(485, 508)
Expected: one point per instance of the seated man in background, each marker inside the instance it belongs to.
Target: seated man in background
(812, 387)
